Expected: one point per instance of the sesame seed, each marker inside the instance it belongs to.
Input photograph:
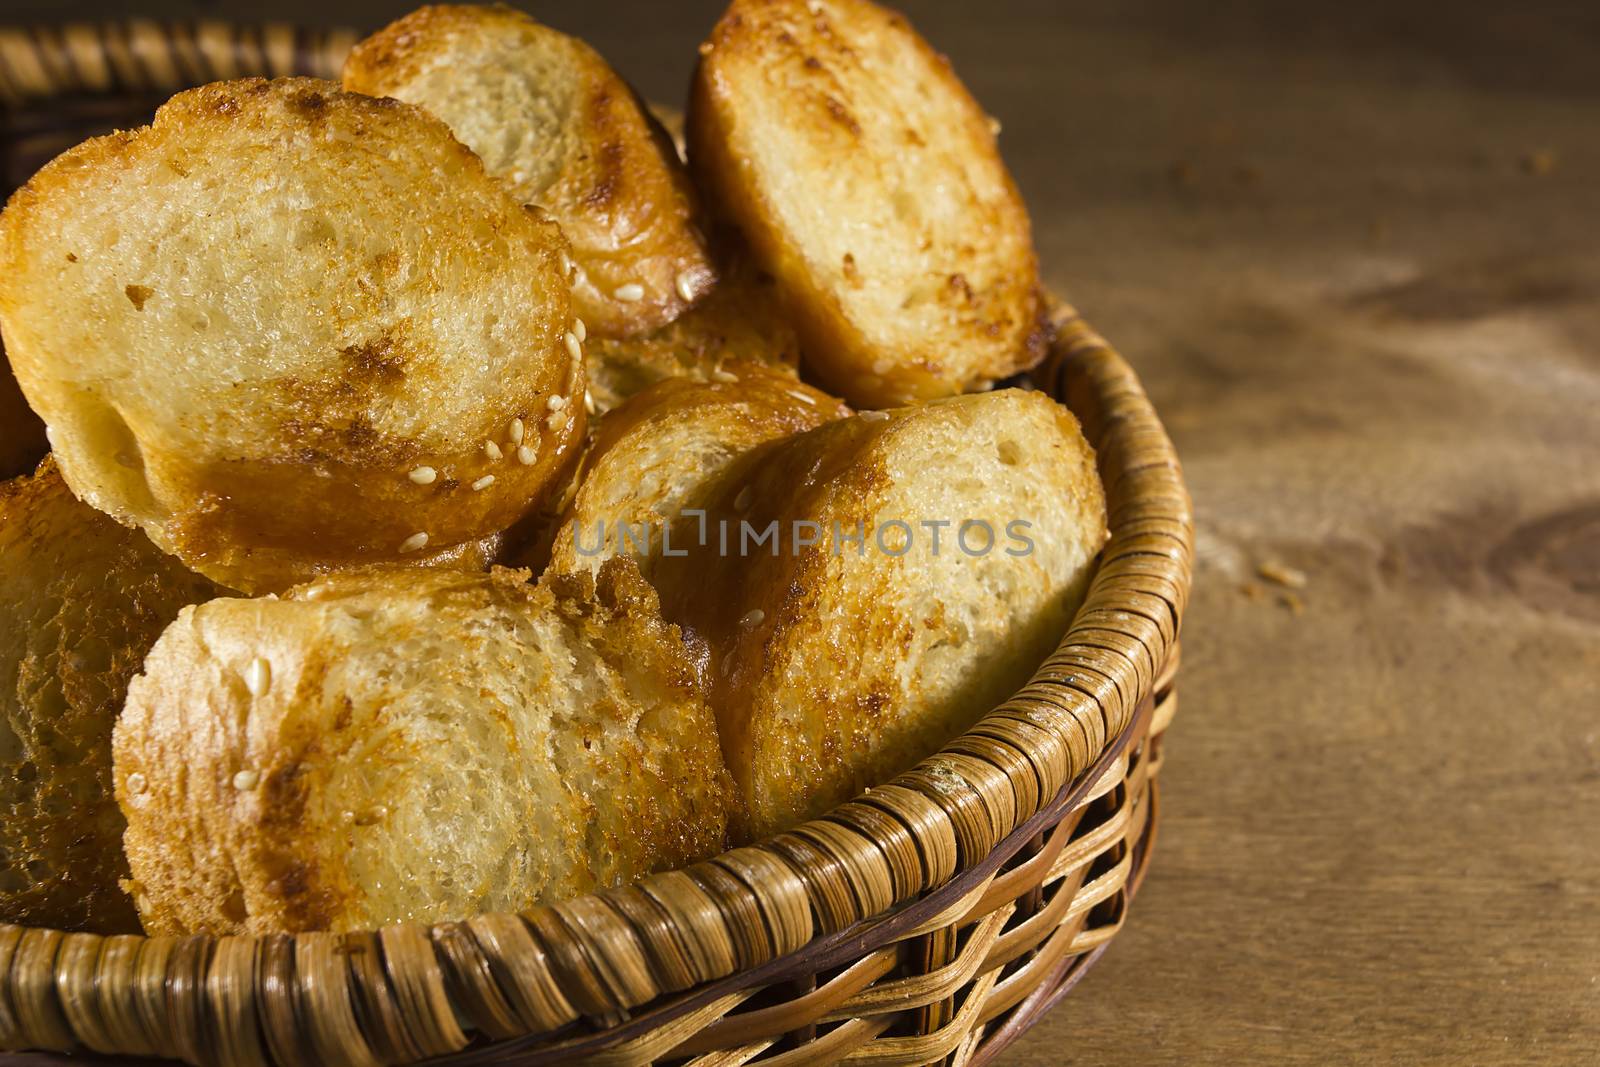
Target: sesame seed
(519, 176)
(580, 330)
(588, 401)
(246, 780)
(727, 664)
(754, 618)
(629, 293)
(994, 126)
(415, 542)
(372, 815)
(874, 416)
(492, 451)
(556, 402)
(882, 366)
(685, 284)
(572, 375)
(1282, 574)
(720, 375)
(556, 421)
(137, 783)
(515, 433)
(258, 677)
(566, 265)
(574, 349)
(423, 475)
(742, 501)
(526, 455)
(804, 398)
(483, 483)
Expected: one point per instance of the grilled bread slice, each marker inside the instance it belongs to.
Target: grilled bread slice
(549, 116)
(868, 182)
(862, 635)
(22, 440)
(279, 328)
(741, 321)
(413, 748)
(82, 599)
(665, 451)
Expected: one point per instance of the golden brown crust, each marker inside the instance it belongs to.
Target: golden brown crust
(836, 667)
(248, 323)
(551, 118)
(82, 599)
(413, 747)
(667, 449)
(867, 181)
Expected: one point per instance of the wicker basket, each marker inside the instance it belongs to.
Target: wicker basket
(931, 920)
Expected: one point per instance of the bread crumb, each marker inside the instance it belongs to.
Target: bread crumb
(1280, 573)
(1541, 162)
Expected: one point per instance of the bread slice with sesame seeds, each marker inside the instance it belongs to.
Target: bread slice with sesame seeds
(413, 748)
(549, 116)
(887, 580)
(741, 321)
(82, 599)
(868, 183)
(666, 450)
(280, 329)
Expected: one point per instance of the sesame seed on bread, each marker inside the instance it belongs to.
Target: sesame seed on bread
(415, 747)
(551, 118)
(867, 181)
(250, 322)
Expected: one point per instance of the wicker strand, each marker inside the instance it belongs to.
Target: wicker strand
(139, 58)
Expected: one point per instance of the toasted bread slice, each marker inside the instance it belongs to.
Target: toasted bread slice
(868, 182)
(841, 662)
(550, 117)
(82, 599)
(22, 439)
(741, 321)
(666, 450)
(279, 328)
(413, 748)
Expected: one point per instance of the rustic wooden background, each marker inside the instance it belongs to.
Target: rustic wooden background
(1354, 249)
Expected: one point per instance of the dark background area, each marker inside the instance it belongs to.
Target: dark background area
(1354, 251)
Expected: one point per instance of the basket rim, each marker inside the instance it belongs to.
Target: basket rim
(955, 818)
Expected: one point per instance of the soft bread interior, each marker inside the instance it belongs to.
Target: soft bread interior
(868, 182)
(551, 119)
(666, 451)
(279, 290)
(412, 748)
(840, 667)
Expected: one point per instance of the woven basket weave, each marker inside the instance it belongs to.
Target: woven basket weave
(929, 921)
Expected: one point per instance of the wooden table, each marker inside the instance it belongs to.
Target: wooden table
(1354, 249)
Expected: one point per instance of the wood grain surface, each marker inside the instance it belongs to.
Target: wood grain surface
(1354, 249)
